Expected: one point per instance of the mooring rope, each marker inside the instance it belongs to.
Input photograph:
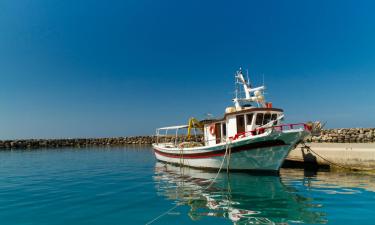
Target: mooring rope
(221, 166)
(333, 163)
(228, 160)
(181, 156)
(208, 186)
(163, 214)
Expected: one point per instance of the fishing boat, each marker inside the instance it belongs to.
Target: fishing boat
(250, 135)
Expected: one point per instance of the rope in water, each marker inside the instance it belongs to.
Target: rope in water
(208, 186)
(163, 214)
(333, 163)
(221, 166)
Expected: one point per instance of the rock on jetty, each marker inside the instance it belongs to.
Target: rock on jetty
(74, 142)
(81, 142)
(346, 135)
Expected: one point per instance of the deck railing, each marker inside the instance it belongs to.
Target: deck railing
(261, 130)
(176, 140)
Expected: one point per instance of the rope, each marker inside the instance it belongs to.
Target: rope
(333, 163)
(228, 160)
(221, 166)
(208, 186)
(181, 156)
(163, 214)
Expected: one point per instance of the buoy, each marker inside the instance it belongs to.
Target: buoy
(212, 129)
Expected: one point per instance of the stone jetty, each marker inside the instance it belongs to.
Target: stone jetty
(75, 142)
(347, 135)
(351, 148)
(80, 142)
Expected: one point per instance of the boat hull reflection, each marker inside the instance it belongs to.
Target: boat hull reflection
(239, 197)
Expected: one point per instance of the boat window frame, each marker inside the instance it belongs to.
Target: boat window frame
(272, 116)
(218, 132)
(251, 115)
(242, 116)
(264, 118)
(257, 119)
(224, 130)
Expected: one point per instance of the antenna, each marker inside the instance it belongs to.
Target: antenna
(251, 94)
(208, 115)
(247, 77)
(263, 78)
(236, 87)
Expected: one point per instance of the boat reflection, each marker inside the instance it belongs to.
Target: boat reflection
(239, 197)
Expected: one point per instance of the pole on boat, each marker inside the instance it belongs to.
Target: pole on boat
(251, 94)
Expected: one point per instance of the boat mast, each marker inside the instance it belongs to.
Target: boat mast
(251, 94)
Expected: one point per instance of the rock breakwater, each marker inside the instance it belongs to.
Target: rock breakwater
(346, 135)
(82, 142)
(75, 142)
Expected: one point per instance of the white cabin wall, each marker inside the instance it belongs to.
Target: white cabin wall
(209, 138)
(250, 125)
(231, 126)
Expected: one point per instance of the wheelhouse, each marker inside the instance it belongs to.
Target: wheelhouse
(233, 123)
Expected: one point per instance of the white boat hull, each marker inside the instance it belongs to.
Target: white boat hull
(264, 152)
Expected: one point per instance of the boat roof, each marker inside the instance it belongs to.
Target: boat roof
(209, 121)
(173, 127)
(253, 110)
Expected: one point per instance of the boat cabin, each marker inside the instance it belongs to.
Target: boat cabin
(237, 122)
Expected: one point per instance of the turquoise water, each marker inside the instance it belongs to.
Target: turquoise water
(127, 186)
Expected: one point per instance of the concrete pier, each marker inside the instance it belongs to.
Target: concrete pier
(337, 148)
(351, 155)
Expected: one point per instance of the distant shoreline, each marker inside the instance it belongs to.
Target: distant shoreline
(346, 135)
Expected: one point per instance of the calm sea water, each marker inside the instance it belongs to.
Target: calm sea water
(127, 186)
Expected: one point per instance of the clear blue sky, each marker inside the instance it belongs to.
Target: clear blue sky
(77, 68)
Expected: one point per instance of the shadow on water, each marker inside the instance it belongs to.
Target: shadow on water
(238, 197)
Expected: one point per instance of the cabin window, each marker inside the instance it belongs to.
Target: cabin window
(249, 118)
(274, 116)
(240, 123)
(218, 132)
(267, 118)
(259, 119)
(224, 130)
